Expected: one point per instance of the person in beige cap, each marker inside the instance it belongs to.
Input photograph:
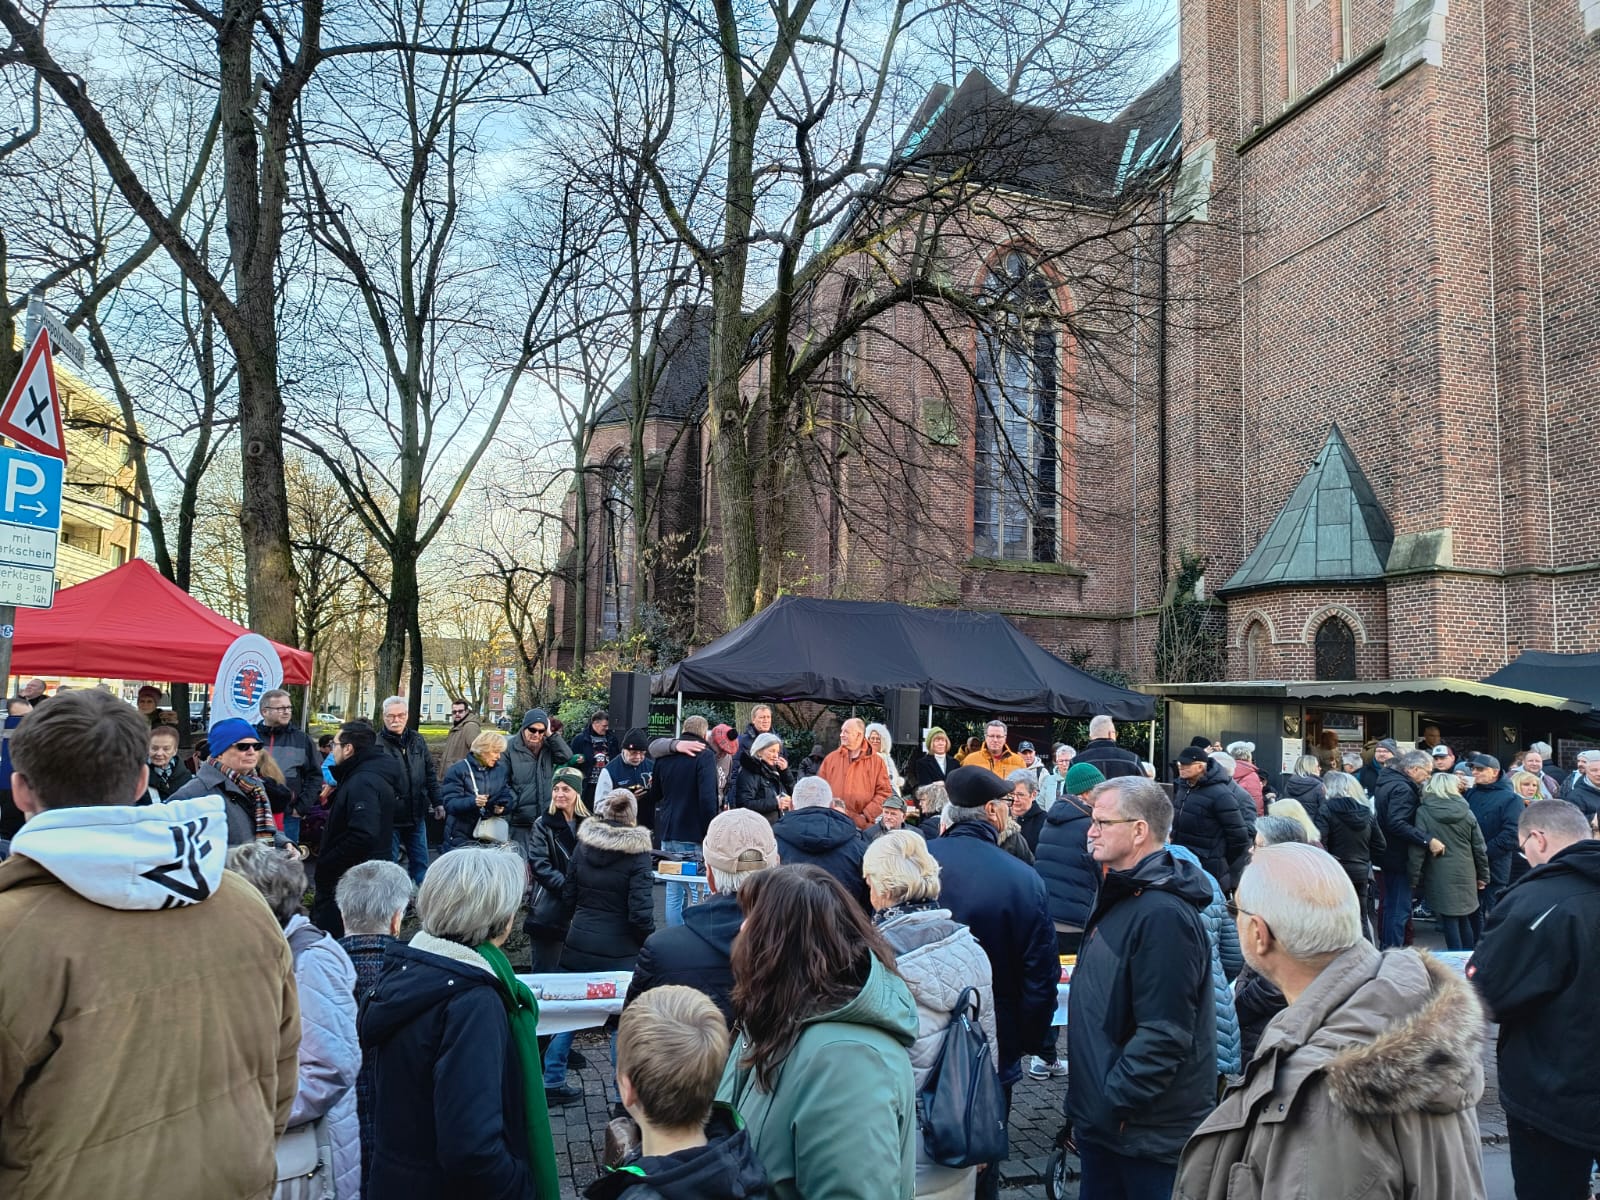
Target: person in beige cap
(738, 845)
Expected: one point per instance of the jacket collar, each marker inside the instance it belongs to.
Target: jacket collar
(974, 829)
(454, 951)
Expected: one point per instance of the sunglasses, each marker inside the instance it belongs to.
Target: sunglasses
(246, 746)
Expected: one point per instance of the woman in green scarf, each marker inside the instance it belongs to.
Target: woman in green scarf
(458, 1100)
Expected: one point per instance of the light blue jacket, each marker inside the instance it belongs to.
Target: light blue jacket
(1227, 960)
(330, 1051)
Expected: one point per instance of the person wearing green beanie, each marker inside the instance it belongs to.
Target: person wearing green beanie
(570, 776)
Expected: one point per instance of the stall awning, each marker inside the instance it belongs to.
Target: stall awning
(1378, 689)
(1573, 675)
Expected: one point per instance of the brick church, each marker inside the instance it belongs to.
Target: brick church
(1350, 376)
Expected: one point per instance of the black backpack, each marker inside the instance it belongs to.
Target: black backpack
(961, 1108)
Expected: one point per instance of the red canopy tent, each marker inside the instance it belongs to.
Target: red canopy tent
(132, 623)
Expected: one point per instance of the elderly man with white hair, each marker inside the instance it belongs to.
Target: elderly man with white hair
(1371, 1074)
(1102, 752)
(819, 831)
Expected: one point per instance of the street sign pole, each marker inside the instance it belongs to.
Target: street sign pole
(8, 624)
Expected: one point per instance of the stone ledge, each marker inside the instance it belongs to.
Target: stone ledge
(1591, 17)
(1416, 36)
(1025, 568)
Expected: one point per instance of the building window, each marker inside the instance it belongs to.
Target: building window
(1016, 469)
(616, 524)
(1255, 650)
(1335, 650)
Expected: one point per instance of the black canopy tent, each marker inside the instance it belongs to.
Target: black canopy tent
(857, 652)
(1573, 676)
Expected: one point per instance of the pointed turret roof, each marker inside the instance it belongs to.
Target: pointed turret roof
(1331, 530)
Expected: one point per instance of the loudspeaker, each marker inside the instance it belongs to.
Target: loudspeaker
(901, 707)
(630, 701)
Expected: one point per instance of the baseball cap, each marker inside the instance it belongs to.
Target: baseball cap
(1441, 751)
(1193, 754)
(1485, 760)
(973, 787)
(1025, 746)
(739, 840)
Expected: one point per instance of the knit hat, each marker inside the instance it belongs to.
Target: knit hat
(618, 807)
(1083, 777)
(739, 840)
(535, 716)
(225, 733)
(1202, 741)
(973, 787)
(570, 776)
(722, 739)
(763, 741)
(935, 732)
(1389, 744)
(636, 739)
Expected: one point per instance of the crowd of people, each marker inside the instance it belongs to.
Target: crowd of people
(1244, 1016)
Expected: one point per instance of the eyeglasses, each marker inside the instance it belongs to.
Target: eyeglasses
(254, 746)
(1098, 823)
(277, 708)
(1522, 845)
(1235, 911)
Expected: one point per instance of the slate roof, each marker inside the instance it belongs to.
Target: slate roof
(1331, 530)
(680, 389)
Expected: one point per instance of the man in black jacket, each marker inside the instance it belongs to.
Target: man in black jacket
(1497, 809)
(1141, 1027)
(1399, 792)
(295, 754)
(818, 831)
(739, 844)
(417, 785)
(1208, 819)
(360, 816)
(594, 748)
(683, 796)
(1538, 971)
(1102, 752)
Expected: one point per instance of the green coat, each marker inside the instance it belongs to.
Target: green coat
(842, 1124)
(1450, 880)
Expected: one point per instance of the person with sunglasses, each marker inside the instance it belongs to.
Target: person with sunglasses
(233, 772)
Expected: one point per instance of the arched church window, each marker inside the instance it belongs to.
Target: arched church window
(1335, 650)
(616, 551)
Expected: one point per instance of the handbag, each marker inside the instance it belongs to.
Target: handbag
(488, 829)
(961, 1108)
(305, 1163)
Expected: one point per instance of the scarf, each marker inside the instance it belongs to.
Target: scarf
(256, 792)
(522, 1010)
(903, 908)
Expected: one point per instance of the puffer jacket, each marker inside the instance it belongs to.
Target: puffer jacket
(1309, 791)
(1450, 881)
(330, 1050)
(1396, 798)
(842, 1118)
(531, 773)
(1206, 818)
(1069, 871)
(1248, 776)
(1227, 960)
(939, 959)
(609, 896)
(459, 791)
(1372, 1075)
(1351, 834)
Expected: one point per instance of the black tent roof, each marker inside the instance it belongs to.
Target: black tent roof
(856, 652)
(1574, 676)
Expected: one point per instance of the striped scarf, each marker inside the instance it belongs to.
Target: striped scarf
(255, 792)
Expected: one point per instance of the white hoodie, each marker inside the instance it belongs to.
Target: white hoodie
(132, 858)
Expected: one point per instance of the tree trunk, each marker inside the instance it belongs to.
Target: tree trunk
(730, 457)
(580, 568)
(399, 616)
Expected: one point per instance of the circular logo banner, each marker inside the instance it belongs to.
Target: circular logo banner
(249, 668)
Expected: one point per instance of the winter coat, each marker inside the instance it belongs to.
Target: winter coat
(1005, 905)
(418, 786)
(366, 951)
(1110, 759)
(1002, 764)
(550, 845)
(842, 1120)
(1206, 818)
(588, 746)
(759, 785)
(531, 773)
(1248, 776)
(330, 1051)
(1309, 791)
(360, 813)
(1014, 844)
(696, 954)
(1141, 1024)
(165, 785)
(459, 743)
(1227, 960)
(860, 782)
(1584, 794)
(683, 792)
(459, 791)
(149, 1019)
(1257, 1000)
(1498, 809)
(1350, 833)
(877, 829)
(241, 810)
(938, 959)
(1370, 1078)
(608, 896)
(1450, 881)
(1032, 823)
(1071, 876)
(828, 839)
(725, 1168)
(1396, 798)
(298, 758)
(926, 769)
(448, 1105)
(1537, 968)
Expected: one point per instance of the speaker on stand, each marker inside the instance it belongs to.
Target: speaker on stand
(903, 707)
(630, 700)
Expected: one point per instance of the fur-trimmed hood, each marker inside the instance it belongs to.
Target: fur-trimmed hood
(620, 839)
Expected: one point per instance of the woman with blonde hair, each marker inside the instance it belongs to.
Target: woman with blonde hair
(475, 791)
(1451, 881)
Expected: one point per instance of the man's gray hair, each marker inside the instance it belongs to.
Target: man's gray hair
(955, 815)
(1542, 749)
(812, 792)
(1412, 759)
(729, 882)
(1305, 897)
(994, 723)
(396, 702)
(470, 895)
(1351, 760)
(1023, 775)
(276, 874)
(370, 893)
(1242, 750)
(1139, 799)
(1102, 726)
(273, 694)
(1224, 760)
(1560, 817)
(1278, 830)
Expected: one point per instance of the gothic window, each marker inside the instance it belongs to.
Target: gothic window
(1335, 650)
(1255, 650)
(616, 550)
(1016, 468)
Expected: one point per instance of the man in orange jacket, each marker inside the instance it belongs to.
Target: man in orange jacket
(857, 776)
(996, 756)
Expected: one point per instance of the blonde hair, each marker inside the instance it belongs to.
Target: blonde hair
(1538, 785)
(672, 1044)
(489, 739)
(1295, 811)
(268, 769)
(1443, 783)
(899, 865)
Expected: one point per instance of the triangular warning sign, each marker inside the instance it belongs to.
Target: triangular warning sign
(31, 414)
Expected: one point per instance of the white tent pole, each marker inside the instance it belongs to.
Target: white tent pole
(679, 728)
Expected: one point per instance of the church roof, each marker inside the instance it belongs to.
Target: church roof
(1331, 530)
(681, 362)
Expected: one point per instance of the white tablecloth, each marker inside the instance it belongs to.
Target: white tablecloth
(558, 1014)
(1061, 1004)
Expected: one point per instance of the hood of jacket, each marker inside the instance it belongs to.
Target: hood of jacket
(132, 857)
(715, 921)
(1580, 858)
(725, 1168)
(1397, 1032)
(1445, 811)
(1348, 811)
(418, 976)
(1064, 811)
(373, 758)
(619, 839)
(884, 1002)
(1159, 871)
(815, 830)
(1296, 786)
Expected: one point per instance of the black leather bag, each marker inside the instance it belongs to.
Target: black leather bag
(961, 1108)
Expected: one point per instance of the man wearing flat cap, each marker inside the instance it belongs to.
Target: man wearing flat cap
(1003, 901)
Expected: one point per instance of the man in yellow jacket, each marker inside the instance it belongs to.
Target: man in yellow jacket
(996, 756)
(149, 1024)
